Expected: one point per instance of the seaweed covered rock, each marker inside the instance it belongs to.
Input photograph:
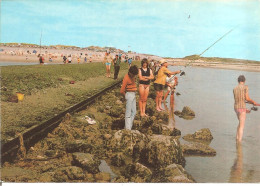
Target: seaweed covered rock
(86, 161)
(143, 123)
(120, 179)
(102, 177)
(66, 174)
(162, 151)
(198, 149)
(118, 160)
(165, 130)
(125, 141)
(116, 111)
(202, 134)
(173, 173)
(187, 113)
(79, 146)
(164, 116)
(138, 173)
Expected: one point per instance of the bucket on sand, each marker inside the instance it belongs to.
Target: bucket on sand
(20, 96)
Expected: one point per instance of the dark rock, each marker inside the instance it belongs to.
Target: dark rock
(163, 151)
(178, 113)
(138, 173)
(165, 130)
(202, 134)
(118, 124)
(50, 153)
(86, 161)
(78, 146)
(12, 99)
(187, 111)
(198, 149)
(118, 160)
(173, 174)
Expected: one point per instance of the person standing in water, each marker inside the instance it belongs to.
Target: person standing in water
(145, 75)
(241, 96)
(128, 89)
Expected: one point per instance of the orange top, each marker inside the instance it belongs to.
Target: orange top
(128, 85)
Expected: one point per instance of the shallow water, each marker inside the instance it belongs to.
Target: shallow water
(209, 92)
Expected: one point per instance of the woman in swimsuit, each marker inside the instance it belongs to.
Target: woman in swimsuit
(108, 60)
(145, 75)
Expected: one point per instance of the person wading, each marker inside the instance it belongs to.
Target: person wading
(241, 95)
(145, 75)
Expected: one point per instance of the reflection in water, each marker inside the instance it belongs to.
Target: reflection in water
(237, 168)
(171, 123)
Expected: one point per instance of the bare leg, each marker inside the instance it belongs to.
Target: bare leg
(157, 100)
(109, 70)
(166, 95)
(141, 98)
(160, 100)
(240, 127)
(145, 96)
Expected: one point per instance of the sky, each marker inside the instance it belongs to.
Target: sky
(168, 28)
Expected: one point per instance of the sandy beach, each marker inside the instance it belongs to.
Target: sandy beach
(26, 55)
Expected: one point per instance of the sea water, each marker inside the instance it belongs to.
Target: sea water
(209, 92)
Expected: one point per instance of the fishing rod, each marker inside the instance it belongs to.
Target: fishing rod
(41, 43)
(217, 41)
(212, 44)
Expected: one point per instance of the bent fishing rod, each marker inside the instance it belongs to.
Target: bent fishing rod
(214, 43)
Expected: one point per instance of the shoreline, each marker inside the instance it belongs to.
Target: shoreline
(26, 55)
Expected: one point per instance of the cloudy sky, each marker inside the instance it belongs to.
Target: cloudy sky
(168, 28)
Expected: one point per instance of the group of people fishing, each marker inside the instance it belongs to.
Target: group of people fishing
(169, 78)
(145, 75)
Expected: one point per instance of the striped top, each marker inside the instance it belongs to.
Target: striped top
(240, 92)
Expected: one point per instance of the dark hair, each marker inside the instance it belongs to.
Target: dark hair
(144, 61)
(241, 78)
(133, 70)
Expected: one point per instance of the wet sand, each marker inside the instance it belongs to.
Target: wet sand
(242, 66)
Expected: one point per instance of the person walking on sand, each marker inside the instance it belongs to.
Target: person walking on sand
(145, 75)
(171, 82)
(160, 82)
(128, 89)
(241, 95)
(41, 59)
(108, 59)
(117, 62)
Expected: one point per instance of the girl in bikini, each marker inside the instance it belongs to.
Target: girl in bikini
(145, 75)
(108, 60)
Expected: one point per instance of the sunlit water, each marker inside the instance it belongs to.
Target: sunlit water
(209, 92)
